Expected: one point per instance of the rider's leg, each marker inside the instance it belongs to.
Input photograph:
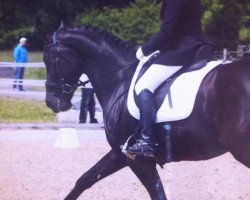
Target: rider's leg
(145, 87)
(146, 143)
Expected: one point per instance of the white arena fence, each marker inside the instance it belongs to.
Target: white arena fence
(30, 64)
(241, 52)
(7, 83)
(25, 82)
(226, 56)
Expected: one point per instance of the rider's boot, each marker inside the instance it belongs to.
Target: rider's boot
(146, 145)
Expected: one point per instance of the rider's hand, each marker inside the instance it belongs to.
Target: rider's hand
(139, 54)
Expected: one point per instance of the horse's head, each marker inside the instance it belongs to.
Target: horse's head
(104, 58)
(63, 72)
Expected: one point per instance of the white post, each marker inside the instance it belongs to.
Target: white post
(224, 55)
(67, 139)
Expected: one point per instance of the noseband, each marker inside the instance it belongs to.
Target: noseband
(64, 87)
(70, 88)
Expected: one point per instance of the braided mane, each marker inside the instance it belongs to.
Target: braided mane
(103, 33)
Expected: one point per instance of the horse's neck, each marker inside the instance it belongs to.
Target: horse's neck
(112, 86)
(110, 69)
(110, 65)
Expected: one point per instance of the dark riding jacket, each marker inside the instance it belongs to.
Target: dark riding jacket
(180, 27)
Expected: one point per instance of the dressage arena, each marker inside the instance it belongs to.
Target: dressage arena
(44, 165)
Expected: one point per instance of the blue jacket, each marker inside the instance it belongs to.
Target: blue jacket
(20, 54)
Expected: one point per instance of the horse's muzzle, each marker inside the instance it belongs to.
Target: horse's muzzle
(57, 104)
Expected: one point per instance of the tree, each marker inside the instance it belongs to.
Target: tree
(225, 22)
(134, 24)
(19, 18)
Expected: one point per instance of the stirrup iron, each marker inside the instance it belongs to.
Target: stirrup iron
(125, 146)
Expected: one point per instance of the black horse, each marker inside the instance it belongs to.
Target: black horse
(219, 122)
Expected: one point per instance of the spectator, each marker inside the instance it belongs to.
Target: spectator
(20, 56)
(87, 103)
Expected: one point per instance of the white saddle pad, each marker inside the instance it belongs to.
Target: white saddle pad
(183, 94)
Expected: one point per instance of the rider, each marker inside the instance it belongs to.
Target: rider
(179, 38)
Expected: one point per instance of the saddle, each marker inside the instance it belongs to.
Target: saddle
(203, 55)
(182, 87)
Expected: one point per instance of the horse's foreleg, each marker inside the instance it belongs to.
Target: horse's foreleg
(109, 164)
(145, 170)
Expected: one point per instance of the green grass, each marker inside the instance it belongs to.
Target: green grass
(17, 110)
(33, 56)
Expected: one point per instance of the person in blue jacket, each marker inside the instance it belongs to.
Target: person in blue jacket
(178, 39)
(20, 56)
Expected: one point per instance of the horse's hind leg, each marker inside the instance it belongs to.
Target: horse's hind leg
(235, 133)
(145, 170)
(109, 164)
(240, 148)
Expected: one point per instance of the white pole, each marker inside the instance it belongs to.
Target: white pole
(67, 139)
(224, 55)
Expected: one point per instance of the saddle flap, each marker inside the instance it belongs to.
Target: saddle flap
(183, 91)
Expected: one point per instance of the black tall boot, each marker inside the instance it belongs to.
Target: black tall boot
(146, 145)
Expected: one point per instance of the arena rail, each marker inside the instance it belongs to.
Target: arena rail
(29, 64)
(25, 82)
(7, 83)
(241, 52)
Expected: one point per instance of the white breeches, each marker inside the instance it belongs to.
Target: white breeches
(155, 75)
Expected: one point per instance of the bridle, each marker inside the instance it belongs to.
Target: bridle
(62, 86)
(69, 88)
(66, 88)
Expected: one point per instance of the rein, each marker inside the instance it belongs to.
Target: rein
(69, 88)
(66, 88)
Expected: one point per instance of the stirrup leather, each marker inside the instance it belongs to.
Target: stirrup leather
(125, 146)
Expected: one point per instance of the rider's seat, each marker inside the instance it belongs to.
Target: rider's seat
(203, 55)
